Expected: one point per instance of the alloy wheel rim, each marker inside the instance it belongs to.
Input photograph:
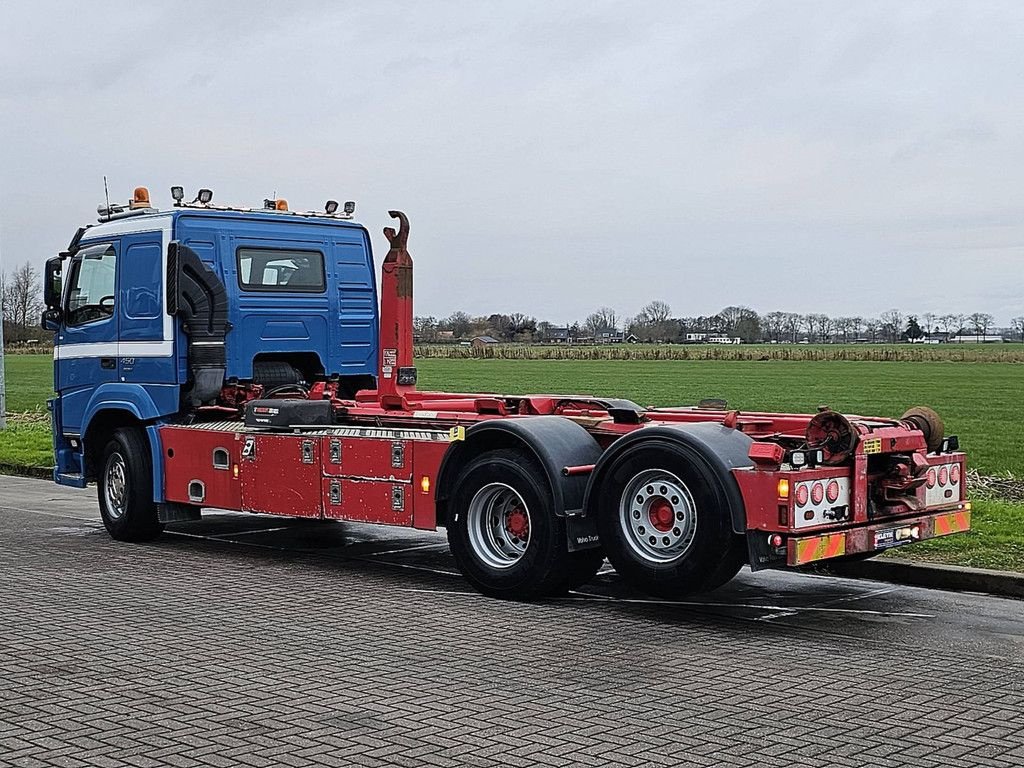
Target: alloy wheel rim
(658, 516)
(499, 525)
(116, 486)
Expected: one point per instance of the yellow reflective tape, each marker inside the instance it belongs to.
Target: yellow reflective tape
(820, 548)
(873, 445)
(954, 522)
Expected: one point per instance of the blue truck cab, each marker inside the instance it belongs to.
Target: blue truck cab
(155, 313)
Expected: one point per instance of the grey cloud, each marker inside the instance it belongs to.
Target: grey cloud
(555, 157)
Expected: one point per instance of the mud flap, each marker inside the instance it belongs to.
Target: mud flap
(581, 532)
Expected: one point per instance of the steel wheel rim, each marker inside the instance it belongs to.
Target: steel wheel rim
(115, 486)
(499, 525)
(658, 516)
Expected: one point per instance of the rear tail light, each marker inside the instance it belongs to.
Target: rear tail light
(954, 474)
(932, 478)
(832, 491)
(801, 494)
(817, 493)
(943, 475)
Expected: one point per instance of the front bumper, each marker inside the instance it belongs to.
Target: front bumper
(878, 537)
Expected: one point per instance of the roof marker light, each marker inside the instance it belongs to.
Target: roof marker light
(140, 199)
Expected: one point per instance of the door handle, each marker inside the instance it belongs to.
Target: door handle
(108, 363)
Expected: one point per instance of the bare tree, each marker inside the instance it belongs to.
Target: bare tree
(809, 323)
(23, 301)
(774, 324)
(791, 325)
(892, 324)
(981, 322)
(655, 312)
(929, 319)
(5, 299)
(825, 327)
(603, 320)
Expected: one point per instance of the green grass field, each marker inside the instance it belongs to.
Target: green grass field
(981, 402)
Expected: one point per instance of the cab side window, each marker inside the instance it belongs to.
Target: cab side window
(91, 286)
(273, 269)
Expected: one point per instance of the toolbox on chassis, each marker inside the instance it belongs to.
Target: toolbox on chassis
(209, 356)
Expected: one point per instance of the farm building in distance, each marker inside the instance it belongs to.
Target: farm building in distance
(479, 342)
(977, 338)
(711, 338)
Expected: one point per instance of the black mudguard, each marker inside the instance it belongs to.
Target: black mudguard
(555, 443)
(723, 448)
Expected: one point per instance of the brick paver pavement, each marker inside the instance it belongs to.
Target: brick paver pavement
(192, 652)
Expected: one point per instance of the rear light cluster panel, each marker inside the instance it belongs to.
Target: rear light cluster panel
(944, 485)
(821, 502)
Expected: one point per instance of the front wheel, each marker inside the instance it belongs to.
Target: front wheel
(125, 488)
(664, 519)
(504, 534)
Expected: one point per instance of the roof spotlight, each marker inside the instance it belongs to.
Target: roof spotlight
(331, 207)
(270, 203)
(205, 196)
(350, 207)
(178, 194)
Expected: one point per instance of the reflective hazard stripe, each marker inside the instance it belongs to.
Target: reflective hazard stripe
(818, 548)
(954, 522)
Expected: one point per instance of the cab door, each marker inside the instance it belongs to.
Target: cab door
(144, 341)
(87, 341)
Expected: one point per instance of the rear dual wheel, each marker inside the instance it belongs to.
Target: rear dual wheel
(665, 523)
(504, 533)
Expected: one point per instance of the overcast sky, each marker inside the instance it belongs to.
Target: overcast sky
(842, 157)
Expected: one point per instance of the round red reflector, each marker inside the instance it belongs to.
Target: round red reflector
(832, 491)
(954, 474)
(801, 495)
(817, 493)
(775, 540)
(931, 478)
(943, 475)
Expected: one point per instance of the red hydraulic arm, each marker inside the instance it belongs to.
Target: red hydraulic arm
(396, 374)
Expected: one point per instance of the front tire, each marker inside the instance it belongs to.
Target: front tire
(504, 534)
(125, 488)
(664, 520)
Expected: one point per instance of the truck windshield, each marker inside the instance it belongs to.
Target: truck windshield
(273, 269)
(91, 285)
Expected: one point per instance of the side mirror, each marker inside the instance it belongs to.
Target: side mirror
(51, 320)
(51, 283)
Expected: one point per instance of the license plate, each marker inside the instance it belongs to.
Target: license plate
(896, 537)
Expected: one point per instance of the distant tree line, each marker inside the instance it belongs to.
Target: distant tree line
(21, 303)
(656, 323)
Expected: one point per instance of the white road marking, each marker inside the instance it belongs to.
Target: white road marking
(435, 545)
(848, 599)
(249, 532)
(586, 597)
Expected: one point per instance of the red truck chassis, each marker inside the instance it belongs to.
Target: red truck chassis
(782, 489)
